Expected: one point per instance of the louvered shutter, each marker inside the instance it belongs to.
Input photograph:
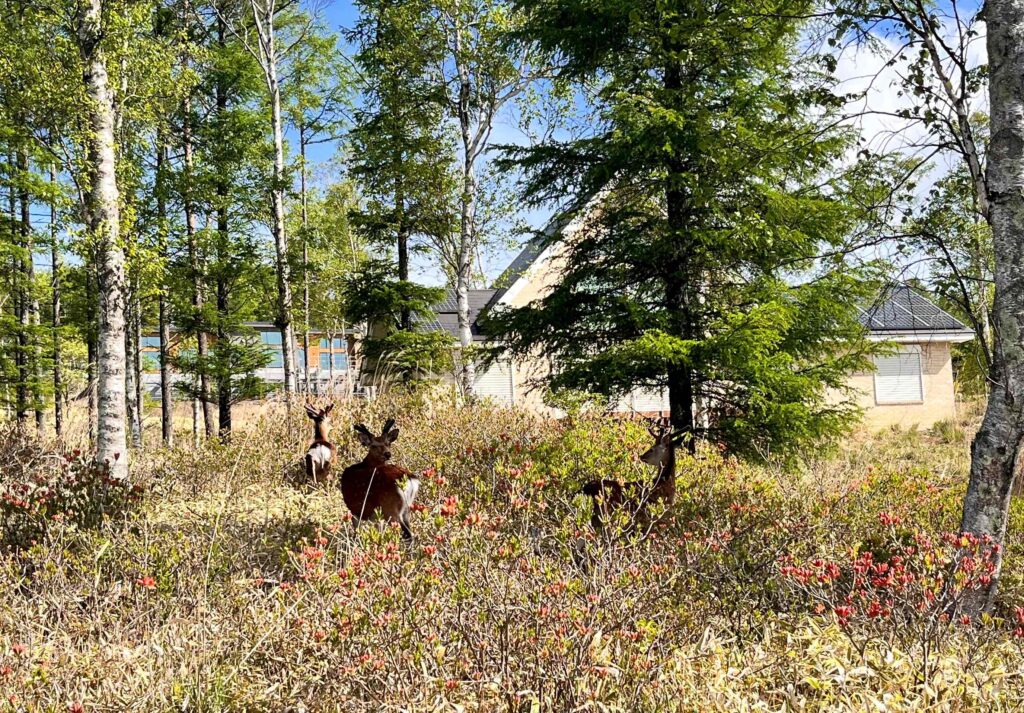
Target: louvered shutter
(898, 378)
(495, 383)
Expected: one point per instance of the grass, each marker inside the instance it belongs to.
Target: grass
(228, 587)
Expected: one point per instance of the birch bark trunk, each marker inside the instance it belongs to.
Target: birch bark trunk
(995, 450)
(467, 224)
(104, 213)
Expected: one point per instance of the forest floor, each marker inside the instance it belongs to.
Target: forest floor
(219, 583)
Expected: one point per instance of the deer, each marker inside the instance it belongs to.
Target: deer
(371, 488)
(321, 454)
(609, 495)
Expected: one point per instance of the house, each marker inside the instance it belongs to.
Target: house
(912, 385)
(331, 357)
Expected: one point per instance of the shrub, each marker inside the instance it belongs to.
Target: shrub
(43, 490)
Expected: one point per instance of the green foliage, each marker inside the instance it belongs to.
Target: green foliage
(690, 263)
(371, 296)
(400, 149)
(957, 242)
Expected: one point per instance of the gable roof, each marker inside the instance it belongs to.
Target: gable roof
(901, 309)
(447, 313)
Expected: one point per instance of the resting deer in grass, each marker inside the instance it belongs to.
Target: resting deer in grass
(371, 488)
(610, 495)
(321, 454)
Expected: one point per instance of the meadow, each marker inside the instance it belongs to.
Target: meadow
(218, 581)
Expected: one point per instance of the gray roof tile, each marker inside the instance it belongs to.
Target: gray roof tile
(899, 309)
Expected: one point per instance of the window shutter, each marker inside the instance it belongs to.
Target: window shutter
(898, 378)
(495, 383)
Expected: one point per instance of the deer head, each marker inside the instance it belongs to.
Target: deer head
(321, 424)
(379, 446)
(662, 453)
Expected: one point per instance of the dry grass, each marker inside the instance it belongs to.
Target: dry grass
(230, 589)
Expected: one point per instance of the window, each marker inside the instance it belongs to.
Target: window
(340, 361)
(150, 342)
(276, 359)
(339, 343)
(300, 358)
(271, 338)
(898, 377)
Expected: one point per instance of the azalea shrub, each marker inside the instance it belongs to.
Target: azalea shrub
(41, 490)
(835, 585)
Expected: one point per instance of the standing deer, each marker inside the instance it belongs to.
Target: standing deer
(609, 495)
(371, 487)
(321, 454)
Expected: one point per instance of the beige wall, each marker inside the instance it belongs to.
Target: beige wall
(936, 365)
(939, 393)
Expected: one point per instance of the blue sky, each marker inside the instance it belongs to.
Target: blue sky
(341, 15)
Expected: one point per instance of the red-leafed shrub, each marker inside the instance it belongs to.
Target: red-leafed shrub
(40, 490)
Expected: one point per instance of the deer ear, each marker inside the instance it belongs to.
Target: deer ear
(311, 412)
(363, 434)
(330, 407)
(392, 435)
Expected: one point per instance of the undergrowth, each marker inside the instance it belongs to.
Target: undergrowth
(219, 584)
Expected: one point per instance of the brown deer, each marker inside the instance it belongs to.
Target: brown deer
(321, 454)
(610, 495)
(371, 487)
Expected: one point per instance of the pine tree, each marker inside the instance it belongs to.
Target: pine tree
(703, 197)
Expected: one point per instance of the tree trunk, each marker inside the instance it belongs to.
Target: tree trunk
(30, 313)
(284, 289)
(21, 388)
(103, 210)
(195, 262)
(467, 231)
(166, 393)
(131, 406)
(678, 288)
(305, 254)
(223, 297)
(405, 319)
(996, 446)
(55, 269)
(224, 383)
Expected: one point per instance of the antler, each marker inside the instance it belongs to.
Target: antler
(312, 412)
(388, 425)
(657, 426)
(363, 429)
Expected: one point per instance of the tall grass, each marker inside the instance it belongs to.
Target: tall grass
(231, 587)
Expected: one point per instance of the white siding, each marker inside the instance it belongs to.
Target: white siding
(898, 378)
(496, 384)
(644, 401)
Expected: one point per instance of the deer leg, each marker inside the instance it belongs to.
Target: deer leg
(403, 522)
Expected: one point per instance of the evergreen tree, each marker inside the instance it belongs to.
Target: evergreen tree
(400, 152)
(704, 197)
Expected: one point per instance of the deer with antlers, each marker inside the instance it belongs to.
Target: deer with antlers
(372, 488)
(321, 454)
(610, 495)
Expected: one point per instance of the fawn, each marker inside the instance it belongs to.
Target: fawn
(371, 487)
(321, 454)
(609, 495)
